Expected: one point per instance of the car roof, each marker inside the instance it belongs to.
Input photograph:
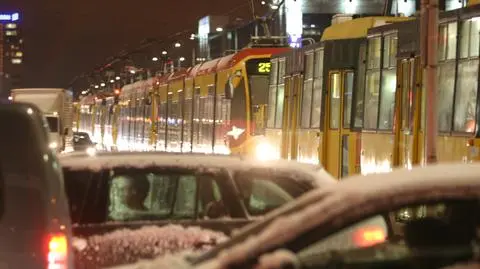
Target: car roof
(107, 160)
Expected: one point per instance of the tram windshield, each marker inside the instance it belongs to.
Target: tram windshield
(258, 71)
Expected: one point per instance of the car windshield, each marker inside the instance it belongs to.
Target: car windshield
(52, 124)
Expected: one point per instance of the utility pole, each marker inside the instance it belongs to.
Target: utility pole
(428, 46)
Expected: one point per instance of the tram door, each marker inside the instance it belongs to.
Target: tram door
(408, 99)
(291, 116)
(337, 123)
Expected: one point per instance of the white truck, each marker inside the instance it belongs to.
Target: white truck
(57, 106)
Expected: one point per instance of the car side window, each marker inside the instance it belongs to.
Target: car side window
(261, 193)
(152, 196)
(210, 201)
(185, 197)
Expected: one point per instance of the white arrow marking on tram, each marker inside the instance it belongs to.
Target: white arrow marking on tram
(236, 132)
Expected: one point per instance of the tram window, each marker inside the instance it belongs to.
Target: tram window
(360, 92)
(371, 100)
(317, 89)
(317, 102)
(334, 107)
(452, 41)
(446, 79)
(274, 72)
(374, 53)
(390, 51)
(469, 38)
(272, 98)
(306, 103)
(466, 96)
(387, 101)
(280, 95)
(309, 65)
(347, 99)
(442, 42)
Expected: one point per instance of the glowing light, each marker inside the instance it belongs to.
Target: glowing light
(112, 81)
(178, 45)
(350, 6)
(132, 71)
(117, 78)
(235, 132)
(96, 86)
(10, 17)
(154, 59)
(10, 98)
(182, 59)
(294, 22)
(164, 52)
(102, 84)
(263, 3)
(219, 29)
(29, 111)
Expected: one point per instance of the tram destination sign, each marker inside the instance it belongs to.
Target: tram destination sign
(259, 66)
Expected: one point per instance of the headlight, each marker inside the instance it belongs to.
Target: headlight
(264, 151)
(53, 145)
(91, 151)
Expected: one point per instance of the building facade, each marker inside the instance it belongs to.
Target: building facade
(11, 53)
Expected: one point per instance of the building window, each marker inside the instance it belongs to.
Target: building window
(10, 33)
(18, 54)
(11, 26)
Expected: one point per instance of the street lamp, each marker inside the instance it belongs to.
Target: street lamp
(164, 52)
(192, 37)
(219, 29)
(117, 78)
(178, 45)
(154, 59)
(132, 71)
(182, 59)
(112, 81)
(102, 84)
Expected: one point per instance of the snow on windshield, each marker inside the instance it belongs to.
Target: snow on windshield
(125, 246)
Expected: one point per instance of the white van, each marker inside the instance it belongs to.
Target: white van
(35, 227)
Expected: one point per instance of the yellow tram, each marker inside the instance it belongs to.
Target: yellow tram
(217, 106)
(355, 101)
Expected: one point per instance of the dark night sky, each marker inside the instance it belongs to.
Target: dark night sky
(63, 38)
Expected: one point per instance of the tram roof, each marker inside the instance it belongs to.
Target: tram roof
(357, 28)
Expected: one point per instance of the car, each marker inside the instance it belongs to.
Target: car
(116, 190)
(82, 142)
(35, 225)
(383, 219)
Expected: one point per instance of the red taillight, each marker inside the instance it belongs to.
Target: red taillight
(57, 252)
(365, 237)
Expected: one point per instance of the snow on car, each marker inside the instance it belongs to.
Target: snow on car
(113, 191)
(435, 206)
(125, 246)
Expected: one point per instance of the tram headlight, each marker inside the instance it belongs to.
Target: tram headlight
(91, 151)
(264, 151)
(53, 145)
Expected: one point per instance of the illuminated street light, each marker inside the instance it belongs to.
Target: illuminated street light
(112, 81)
(84, 92)
(96, 86)
(102, 84)
(10, 98)
(154, 59)
(219, 29)
(178, 45)
(164, 52)
(192, 36)
(263, 3)
(182, 59)
(132, 71)
(117, 78)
